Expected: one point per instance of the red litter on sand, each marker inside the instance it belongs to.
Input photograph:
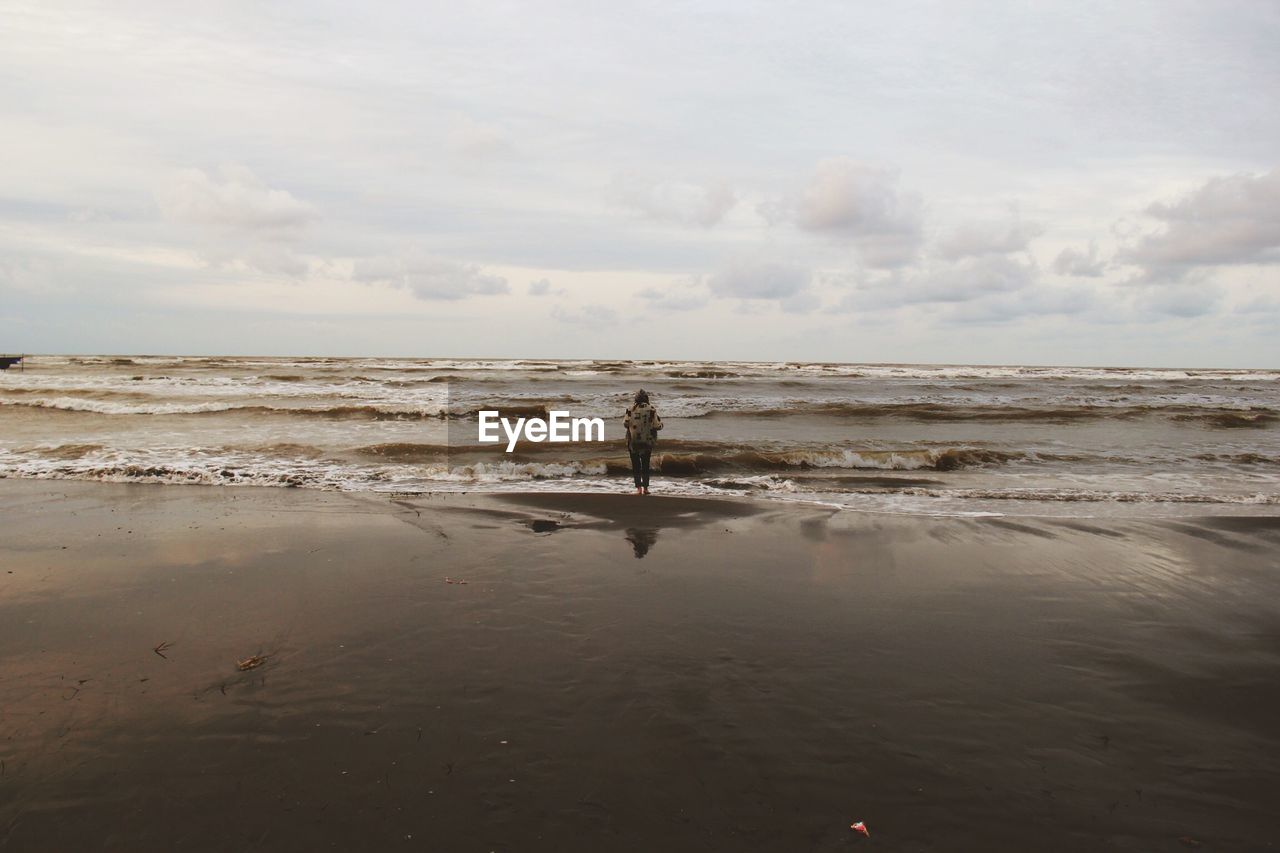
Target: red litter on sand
(859, 826)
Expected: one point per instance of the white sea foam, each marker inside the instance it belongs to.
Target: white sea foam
(953, 439)
(109, 407)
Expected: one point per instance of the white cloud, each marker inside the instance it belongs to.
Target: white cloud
(234, 198)
(430, 278)
(1181, 299)
(863, 204)
(888, 251)
(677, 201)
(1079, 262)
(800, 303)
(760, 279)
(478, 140)
(1025, 302)
(23, 273)
(1259, 305)
(493, 141)
(588, 315)
(959, 281)
(989, 238)
(541, 287)
(1227, 221)
(681, 296)
(272, 259)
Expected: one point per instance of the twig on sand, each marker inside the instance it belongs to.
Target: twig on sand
(455, 580)
(160, 649)
(251, 662)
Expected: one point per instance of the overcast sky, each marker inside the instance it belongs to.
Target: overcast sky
(1074, 182)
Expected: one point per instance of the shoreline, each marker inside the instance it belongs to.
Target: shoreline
(882, 497)
(626, 673)
(924, 439)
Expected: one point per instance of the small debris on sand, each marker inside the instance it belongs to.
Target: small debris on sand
(543, 525)
(455, 580)
(251, 662)
(162, 648)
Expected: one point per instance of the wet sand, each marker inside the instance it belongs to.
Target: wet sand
(626, 674)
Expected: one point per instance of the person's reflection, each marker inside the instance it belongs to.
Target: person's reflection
(641, 539)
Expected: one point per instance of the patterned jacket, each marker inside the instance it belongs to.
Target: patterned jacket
(642, 424)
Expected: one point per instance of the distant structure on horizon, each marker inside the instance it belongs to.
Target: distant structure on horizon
(7, 361)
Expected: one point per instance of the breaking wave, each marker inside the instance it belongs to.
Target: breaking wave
(1228, 418)
(925, 435)
(947, 459)
(404, 451)
(703, 374)
(1239, 458)
(109, 407)
(1094, 496)
(115, 407)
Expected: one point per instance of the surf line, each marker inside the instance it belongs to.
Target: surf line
(558, 427)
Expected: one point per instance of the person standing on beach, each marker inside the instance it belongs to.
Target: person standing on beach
(642, 424)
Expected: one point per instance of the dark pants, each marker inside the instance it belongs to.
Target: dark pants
(640, 465)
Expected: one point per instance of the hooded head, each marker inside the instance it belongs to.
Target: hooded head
(642, 396)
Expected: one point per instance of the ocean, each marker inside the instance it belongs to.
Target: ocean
(931, 439)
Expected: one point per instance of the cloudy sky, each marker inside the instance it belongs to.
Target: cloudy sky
(1073, 182)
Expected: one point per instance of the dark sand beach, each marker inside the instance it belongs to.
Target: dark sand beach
(626, 674)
